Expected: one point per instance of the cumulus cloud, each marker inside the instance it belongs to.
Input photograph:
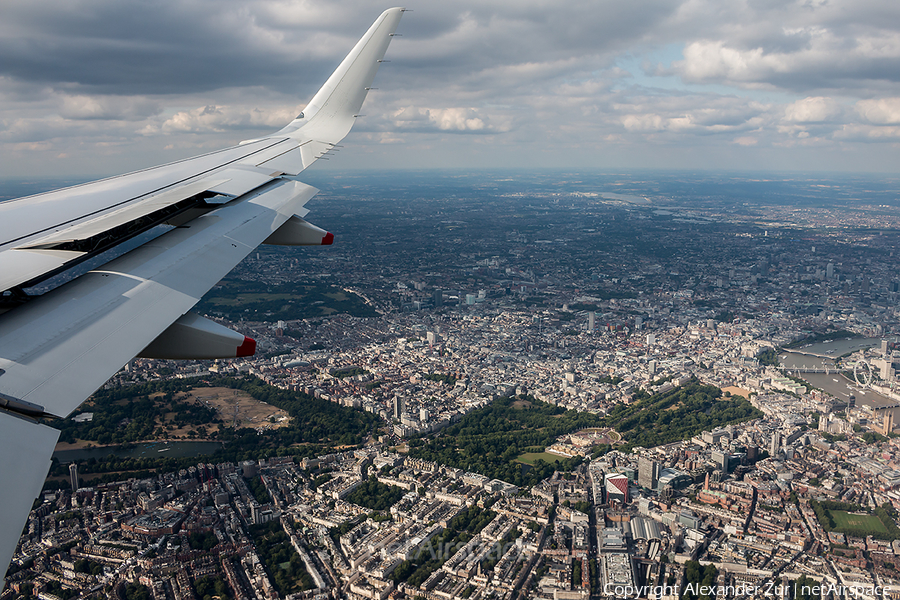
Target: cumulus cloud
(454, 120)
(811, 50)
(884, 111)
(867, 133)
(812, 110)
(108, 107)
(212, 118)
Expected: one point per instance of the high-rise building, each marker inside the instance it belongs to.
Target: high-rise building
(591, 316)
(648, 473)
(651, 339)
(398, 407)
(438, 298)
(884, 348)
(721, 460)
(73, 476)
(249, 468)
(638, 322)
(886, 369)
(775, 444)
(829, 271)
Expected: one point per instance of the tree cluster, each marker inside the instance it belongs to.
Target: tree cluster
(490, 439)
(315, 424)
(448, 379)
(697, 577)
(258, 489)
(375, 495)
(348, 372)
(283, 565)
(285, 301)
(210, 588)
(205, 541)
(678, 414)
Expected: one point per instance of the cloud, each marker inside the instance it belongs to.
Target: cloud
(454, 120)
(884, 111)
(212, 118)
(812, 110)
(856, 132)
(528, 82)
(795, 46)
(108, 107)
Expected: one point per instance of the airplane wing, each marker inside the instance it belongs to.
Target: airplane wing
(58, 348)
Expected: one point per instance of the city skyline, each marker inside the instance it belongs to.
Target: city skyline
(102, 87)
(431, 411)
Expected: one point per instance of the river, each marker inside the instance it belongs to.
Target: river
(822, 355)
(838, 346)
(143, 450)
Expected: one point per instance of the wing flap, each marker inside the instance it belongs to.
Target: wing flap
(125, 214)
(237, 182)
(19, 266)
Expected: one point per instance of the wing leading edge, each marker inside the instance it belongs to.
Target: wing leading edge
(55, 350)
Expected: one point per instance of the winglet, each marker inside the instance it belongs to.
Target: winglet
(332, 111)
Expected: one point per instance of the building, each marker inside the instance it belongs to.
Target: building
(617, 488)
(674, 479)
(721, 460)
(398, 407)
(648, 473)
(775, 444)
(73, 476)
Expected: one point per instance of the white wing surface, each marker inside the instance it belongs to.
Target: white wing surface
(56, 349)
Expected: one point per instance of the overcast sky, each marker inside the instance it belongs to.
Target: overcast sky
(98, 87)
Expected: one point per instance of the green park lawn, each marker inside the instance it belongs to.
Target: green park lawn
(845, 520)
(529, 458)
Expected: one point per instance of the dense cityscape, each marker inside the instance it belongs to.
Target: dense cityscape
(562, 386)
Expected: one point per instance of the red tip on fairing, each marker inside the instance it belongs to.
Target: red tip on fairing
(328, 239)
(248, 348)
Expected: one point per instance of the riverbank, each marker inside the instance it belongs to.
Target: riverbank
(66, 453)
